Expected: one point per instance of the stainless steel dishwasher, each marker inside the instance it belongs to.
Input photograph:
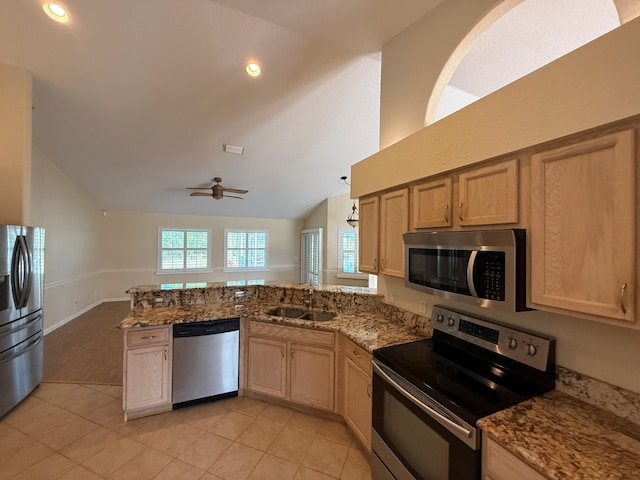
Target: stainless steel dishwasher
(205, 361)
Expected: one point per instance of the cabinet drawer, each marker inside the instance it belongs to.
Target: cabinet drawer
(357, 354)
(148, 337)
(502, 465)
(302, 335)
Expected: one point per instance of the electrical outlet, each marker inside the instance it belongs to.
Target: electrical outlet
(391, 297)
(422, 306)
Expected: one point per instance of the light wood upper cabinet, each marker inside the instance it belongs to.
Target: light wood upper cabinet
(582, 235)
(431, 204)
(394, 222)
(368, 228)
(488, 195)
(147, 372)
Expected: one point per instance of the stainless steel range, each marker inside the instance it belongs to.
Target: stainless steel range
(428, 395)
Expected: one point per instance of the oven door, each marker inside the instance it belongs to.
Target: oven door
(414, 438)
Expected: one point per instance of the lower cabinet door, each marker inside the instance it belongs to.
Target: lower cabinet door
(357, 401)
(267, 366)
(312, 376)
(148, 378)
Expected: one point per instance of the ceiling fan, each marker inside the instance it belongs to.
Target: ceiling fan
(217, 191)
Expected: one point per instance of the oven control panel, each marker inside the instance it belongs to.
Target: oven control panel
(525, 347)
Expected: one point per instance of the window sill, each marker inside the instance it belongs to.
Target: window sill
(240, 270)
(358, 276)
(182, 272)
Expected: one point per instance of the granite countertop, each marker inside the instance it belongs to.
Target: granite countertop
(369, 330)
(566, 438)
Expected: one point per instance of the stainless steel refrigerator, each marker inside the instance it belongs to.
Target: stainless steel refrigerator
(21, 314)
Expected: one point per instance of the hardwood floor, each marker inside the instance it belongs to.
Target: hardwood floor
(88, 349)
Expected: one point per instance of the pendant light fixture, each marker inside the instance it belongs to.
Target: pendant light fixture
(352, 219)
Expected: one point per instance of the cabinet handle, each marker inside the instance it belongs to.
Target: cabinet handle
(375, 263)
(622, 305)
(446, 213)
(165, 354)
(292, 350)
(148, 337)
(369, 390)
(460, 211)
(356, 354)
(283, 352)
(382, 263)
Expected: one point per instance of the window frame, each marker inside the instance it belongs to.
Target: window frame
(307, 273)
(226, 268)
(341, 273)
(163, 271)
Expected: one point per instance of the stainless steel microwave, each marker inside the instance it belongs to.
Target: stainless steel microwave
(485, 268)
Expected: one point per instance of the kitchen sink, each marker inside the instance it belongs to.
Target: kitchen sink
(318, 316)
(288, 312)
(291, 312)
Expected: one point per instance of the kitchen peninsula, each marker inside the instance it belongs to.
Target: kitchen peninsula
(325, 365)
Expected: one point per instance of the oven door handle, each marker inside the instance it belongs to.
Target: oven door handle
(425, 408)
(471, 266)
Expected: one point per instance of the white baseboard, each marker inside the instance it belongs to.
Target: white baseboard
(64, 321)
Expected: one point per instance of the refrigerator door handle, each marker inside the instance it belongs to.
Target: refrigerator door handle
(14, 352)
(19, 324)
(21, 272)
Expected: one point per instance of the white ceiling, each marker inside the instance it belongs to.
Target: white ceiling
(134, 99)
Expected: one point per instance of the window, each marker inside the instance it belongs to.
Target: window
(246, 250)
(311, 256)
(348, 260)
(183, 250)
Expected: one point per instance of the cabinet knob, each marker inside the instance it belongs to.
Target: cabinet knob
(165, 354)
(446, 214)
(460, 211)
(148, 337)
(356, 354)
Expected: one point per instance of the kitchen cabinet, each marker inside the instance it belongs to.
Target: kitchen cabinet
(368, 227)
(383, 221)
(147, 371)
(488, 195)
(582, 234)
(296, 364)
(356, 390)
(499, 464)
(394, 222)
(431, 203)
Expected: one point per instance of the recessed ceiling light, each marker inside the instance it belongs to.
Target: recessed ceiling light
(253, 69)
(56, 12)
(237, 149)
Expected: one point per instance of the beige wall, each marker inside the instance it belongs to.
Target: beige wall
(331, 215)
(72, 246)
(591, 86)
(15, 145)
(129, 249)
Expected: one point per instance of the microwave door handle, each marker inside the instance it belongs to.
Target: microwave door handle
(471, 266)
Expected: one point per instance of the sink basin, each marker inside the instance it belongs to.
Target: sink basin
(288, 312)
(318, 316)
(292, 312)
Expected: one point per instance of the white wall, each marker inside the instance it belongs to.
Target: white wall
(72, 242)
(129, 249)
(593, 85)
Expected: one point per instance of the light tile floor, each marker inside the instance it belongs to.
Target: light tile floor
(76, 432)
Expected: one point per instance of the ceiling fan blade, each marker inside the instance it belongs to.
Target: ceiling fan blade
(200, 194)
(233, 196)
(198, 188)
(235, 190)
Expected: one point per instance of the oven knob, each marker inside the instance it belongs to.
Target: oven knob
(512, 343)
(532, 349)
(451, 321)
(439, 318)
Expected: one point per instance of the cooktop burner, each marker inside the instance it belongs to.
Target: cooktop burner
(474, 367)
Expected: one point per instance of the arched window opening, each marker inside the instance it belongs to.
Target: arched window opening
(528, 36)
